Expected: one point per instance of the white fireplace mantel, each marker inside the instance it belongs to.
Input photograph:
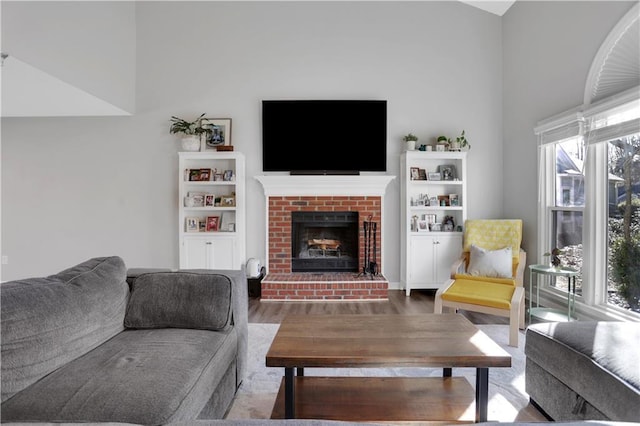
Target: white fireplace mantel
(306, 185)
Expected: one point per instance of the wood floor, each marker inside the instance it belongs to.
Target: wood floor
(420, 301)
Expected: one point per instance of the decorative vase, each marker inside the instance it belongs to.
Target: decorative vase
(191, 143)
(411, 145)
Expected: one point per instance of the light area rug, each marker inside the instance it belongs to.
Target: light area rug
(508, 401)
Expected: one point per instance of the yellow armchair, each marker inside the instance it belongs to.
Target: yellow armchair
(495, 295)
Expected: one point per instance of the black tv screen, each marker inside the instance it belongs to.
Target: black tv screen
(324, 136)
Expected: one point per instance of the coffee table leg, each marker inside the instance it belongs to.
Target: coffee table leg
(446, 372)
(289, 392)
(482, 394)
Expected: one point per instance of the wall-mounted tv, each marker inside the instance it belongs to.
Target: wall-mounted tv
(324, 136)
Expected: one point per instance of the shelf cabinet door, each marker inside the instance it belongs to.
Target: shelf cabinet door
(431, 257)
(208, 253)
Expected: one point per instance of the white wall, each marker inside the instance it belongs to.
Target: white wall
(74, 188)
(90, 45)
(548, 50)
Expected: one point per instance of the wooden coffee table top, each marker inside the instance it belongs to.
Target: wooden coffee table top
(350, 341)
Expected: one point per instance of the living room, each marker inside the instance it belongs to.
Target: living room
(81, 182)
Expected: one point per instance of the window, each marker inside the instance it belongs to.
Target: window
(589, 192)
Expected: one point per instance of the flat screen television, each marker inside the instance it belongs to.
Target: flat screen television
(324, 136)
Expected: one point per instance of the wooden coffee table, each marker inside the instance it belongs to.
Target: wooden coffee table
(380, 341)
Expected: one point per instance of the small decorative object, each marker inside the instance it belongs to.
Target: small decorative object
(212, 223)
(440, 147)
(448, 223)
(435, 227)
(410, 141)
(434, 176)
(422, 147)
(555, 260)
(457, 144)
(191, 131)
(448, 172)
(453, 200)
(217, 134)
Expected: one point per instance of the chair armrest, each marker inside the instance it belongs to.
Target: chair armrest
(520, 270)
(458, 266)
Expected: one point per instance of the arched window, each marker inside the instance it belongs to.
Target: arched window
(589, 182)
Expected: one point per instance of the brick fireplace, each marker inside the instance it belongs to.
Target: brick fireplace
(359, 195)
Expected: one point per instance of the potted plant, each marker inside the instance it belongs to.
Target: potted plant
(191, 131)
(462, 141)
(410, 140)
(444, 141)
(554, 254)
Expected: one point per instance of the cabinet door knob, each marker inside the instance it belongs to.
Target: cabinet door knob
(208, 243)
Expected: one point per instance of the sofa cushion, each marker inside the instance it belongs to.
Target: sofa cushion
(151, 376)
(47, 322)
(180, 300)
(597, 359)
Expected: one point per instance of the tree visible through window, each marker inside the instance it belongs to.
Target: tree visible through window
(623, 272)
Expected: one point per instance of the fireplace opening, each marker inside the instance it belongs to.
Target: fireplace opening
(324, 242)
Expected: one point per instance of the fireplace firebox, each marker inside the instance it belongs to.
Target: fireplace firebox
(324, 241)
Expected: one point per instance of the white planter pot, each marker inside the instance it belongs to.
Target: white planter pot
(454, 146)
(191, 143)
(411, 145)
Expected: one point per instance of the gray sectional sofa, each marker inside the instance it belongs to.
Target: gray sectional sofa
(86, 345)
(584, 370)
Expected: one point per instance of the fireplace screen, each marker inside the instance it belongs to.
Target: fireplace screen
(324, 242)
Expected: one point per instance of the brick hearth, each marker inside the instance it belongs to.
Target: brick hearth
(306, 193)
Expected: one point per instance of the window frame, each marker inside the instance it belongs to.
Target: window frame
(593, 303)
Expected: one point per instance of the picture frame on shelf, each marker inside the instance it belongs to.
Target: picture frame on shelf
(209, 200)
(228, 201)
(448, 171)
(213, 223)
(443, 200)
(434, 176)
(198, 175)
(228, 175)
(422, 174)
(454, 200)
(218, 133)
(423, 226)
(197, 199)
(415, 173)
(192, 224)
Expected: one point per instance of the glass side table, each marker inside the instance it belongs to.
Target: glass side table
(549, 314)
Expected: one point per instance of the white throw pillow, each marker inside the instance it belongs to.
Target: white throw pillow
(488, 263)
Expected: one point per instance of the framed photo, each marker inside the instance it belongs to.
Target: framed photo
(415, 173)
(197, 199)
(218, 133)
(434, 176)
(228, 175)
(448, 171)
(199, 174)
(228, 201)
(422, 174)
(209, 200)
(212, 223)
(423, 226)
(443, 200)
(454, 200)
(192, 224)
